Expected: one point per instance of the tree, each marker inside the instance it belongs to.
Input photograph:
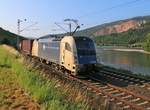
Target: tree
(147, 44)
(5, 41)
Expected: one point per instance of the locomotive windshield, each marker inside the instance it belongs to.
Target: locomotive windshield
(85, 46)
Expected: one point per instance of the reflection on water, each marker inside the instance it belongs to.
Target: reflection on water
(133, 61)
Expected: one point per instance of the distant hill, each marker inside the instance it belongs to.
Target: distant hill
(115, 27)
(133, 37)
(9, 38)
(130, 32)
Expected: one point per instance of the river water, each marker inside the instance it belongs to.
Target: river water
(136, 62)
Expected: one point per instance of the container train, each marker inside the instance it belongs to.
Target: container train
(75, 54)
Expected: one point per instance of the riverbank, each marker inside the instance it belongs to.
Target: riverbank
(132, 50)
(122, 48)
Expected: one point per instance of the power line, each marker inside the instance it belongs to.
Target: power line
(29, 26)
(110, 8)
(61, 27)
(105, 10)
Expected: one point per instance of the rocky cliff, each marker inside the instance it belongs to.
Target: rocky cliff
(118, 28)
(115, 27)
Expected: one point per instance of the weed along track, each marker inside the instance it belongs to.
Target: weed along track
(114, 97)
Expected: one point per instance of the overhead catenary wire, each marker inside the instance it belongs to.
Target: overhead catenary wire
(108, 9)
(57, 24)
(29, 26)
(105, 10)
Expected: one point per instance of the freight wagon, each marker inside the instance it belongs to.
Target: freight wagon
(26, 46)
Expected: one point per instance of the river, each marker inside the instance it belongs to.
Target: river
(134, 61)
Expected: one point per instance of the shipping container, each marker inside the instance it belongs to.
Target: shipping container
(26, 46)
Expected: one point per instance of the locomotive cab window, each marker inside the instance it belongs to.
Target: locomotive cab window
(85, 46)
(68, 47)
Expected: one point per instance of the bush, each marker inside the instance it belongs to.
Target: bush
(147, 44)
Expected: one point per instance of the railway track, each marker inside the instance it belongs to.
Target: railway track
(122, 97)
(145, 86)
(130, 79)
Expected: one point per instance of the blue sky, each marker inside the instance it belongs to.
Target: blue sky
(46, 12)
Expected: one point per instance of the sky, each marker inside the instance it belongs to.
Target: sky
(44, 13)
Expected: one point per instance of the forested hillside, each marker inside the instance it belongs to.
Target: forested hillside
(134, 37)
(133, 32)
(115, 27)
(147, 43)
(9, 38)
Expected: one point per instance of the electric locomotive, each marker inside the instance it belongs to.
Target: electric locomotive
(76, 54)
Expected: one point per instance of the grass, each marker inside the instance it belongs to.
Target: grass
(48, 93)
(12, 95)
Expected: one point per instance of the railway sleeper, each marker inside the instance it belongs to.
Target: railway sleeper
(112, 77)
(97, 84)
(148, 88)
(112, 99)
(113, 92)
(136, 79)
(142, 81)
(120, 94)
(126, 97)
(118, 75)
(119, 103)
(143, 103)
(126, 107)
(135, 100)
(121, 79)
(142, 86)
(131, 83)
(148, 108)
(103, 87)
(109, 89)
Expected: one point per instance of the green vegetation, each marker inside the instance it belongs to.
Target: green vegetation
(12, 96)
(147, 43)
(133, 37)
(50, 94)
(9, 38)
(92, 30)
